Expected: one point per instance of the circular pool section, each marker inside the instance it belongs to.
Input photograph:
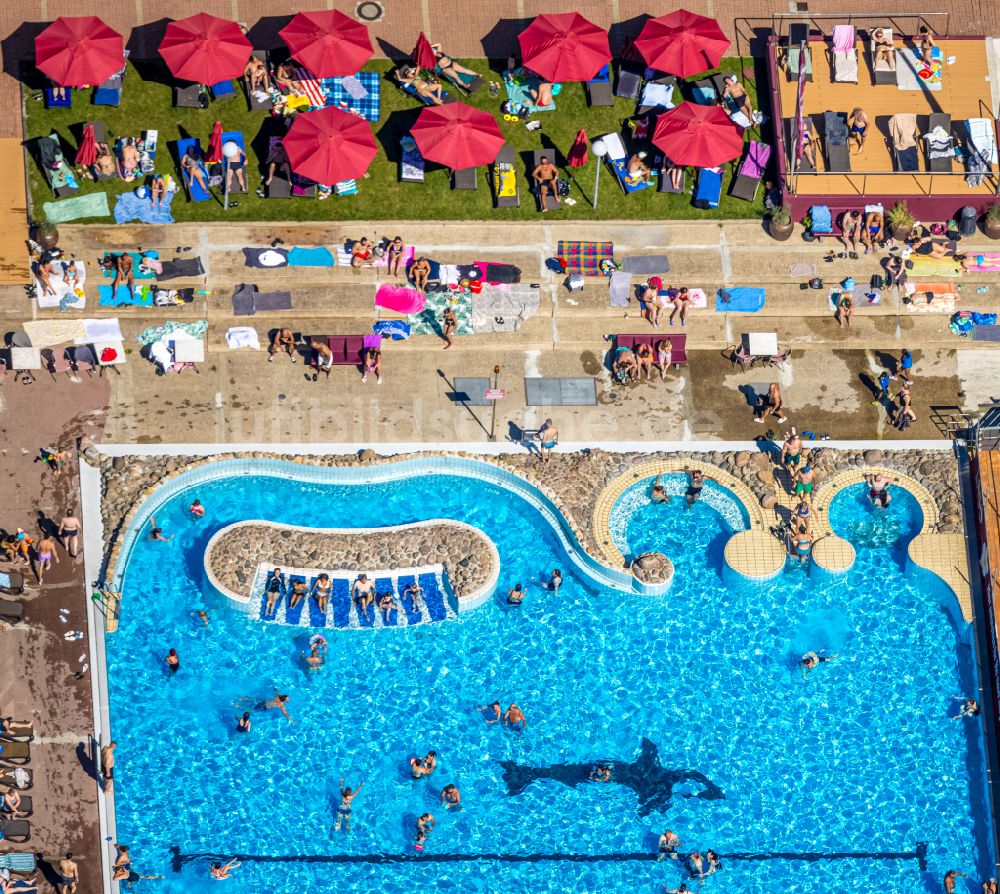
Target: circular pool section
(639, 525)
(853, 516)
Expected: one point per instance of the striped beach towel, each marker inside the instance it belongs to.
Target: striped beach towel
(311, 87)
(585, 257)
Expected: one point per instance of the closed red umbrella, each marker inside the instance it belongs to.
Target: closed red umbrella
(698, 135)
(205, 49)
(86, 152)
(328, 43)
(215, 143)
(329, 145)
(77, 51)
(682, 43)
(564, 47)
(457, 136)
(577, 155)
(423, 55)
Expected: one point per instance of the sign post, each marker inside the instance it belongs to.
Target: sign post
(493, 395)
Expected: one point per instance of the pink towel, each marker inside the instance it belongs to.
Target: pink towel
(843, 38)
(400, 299)
(408, 254)
(374, 340)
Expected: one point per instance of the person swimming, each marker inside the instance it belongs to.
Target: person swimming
(600, 773)
(812, 660)
(425, 824)
(516, 596)
(491, 713)
(514, 718)
(244, 723)
(659, 494)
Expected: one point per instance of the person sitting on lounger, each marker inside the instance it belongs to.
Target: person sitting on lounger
(420, 271)
(256, 75)
(625, 367)
(735, 98)
(850, 232)
(123, 273)
(546, 176)
(409, 77)
(884, 51)
(676, 175)
(278, 158)
(386, 604)
(282, 340)
(449, 67)
(638, 169)
(363, 593)
(644, 358)
(284, 76)
(873, 233)
(191, 164)
(58, 91)
(372, 364)
(321, 590)
(542, 94)
(298, 592)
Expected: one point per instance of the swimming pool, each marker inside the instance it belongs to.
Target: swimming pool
(860, 758)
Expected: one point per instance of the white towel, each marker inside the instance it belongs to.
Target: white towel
(101, 330)
(242, 337)
(658, 95)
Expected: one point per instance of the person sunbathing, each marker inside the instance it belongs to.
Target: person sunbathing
(638, 169)
(449, 67)
(361, 253)
(43, 270)
(236, 167)
(926, 45)
(58, 91)
(104, 164)
(809, 147)
(191, 165)
(546, 176)
(157, 190)
(884, 50)
(124, 272)
(676, 175)
(284, 77)
(681, 300)
(542, 94)
(130, 160)
(409, 77)
(873, 233)
(858, 121)
(256, 75)
(735, 98)
(934, 247)
(419, 273)
(277, 158)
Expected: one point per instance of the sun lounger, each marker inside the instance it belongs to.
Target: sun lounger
(54, 166)
(189, 96)
(505, 188)
(939, 143)
(20, 778)
(798, 34)
(410, 90)
(903, 135)
(980, 149)
(465, 178)
(599, 92)
(678, 344)
(236, 136)
(26, 809)
(751, 171)
(223, 90)
(411, 162)
(835, 133)
(844, 55)
(465, 82)
(665, 184)
(15, 830)
(11, 583)
(110, 92)
(14, 752)
(617, 159)
(253, 103)
(709, 188)
(280, 186)
(10, 611)
(15, 862)
(65, 102)
(883, 71)
(658, 94)
(195, 191)
(550, 203)
(703, 92)
(629, 80)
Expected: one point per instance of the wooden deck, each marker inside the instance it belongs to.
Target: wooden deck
(964, 94)
(13, 215)
(989, 476)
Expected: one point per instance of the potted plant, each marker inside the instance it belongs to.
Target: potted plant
(780, 224)
(47, 235)
(900, 221)
(991, 221)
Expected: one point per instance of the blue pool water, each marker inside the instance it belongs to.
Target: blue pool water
(859, 758)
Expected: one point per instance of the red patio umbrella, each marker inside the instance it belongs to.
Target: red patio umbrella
(423, 55)
(457, 136)
(77, 51)
(215, 143)
(86, 152)
(205, 49)
(698, 135)
(564, 47)
(577, 155)
(682, 43)
(329, 145)
(328, 43)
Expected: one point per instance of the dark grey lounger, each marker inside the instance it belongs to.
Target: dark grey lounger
(187, 96)
(663, 184)
(10, 611)
(629, 81)
(939, 165)
(15, 829)
(599, 93)
(507, 156)
(835, 141)
(252, 104)
(465, 178)
(550, 201)
(667, 81)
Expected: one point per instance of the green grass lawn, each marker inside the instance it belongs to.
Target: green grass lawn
(149, 105)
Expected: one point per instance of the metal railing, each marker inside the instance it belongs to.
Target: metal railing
(780, 20)
(922, 180)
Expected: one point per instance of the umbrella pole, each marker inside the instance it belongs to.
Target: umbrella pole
(597, 182)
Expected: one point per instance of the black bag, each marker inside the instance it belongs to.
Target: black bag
(816, 283)
(562, 187)
(877, 282)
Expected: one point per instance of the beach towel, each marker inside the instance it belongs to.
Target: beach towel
(428, 321)
(100, 330)
(130, 207)
(802, 270)
(620, 288)
(138, 270)
(740, 299)
(925, 266)
(499, 273)
(194, 331)
(498, 310)
(397, 330)
(990, 261)
(409, 252)
(519, 83)
(698, 298)
(932, 297)
(310, 257)
(242, 337)
(140, 296)
(94, 204)
(311, 87)
(986, 333)
(180, 267)
(863, 296)
(247, 300)
(46, 333)
(65, 296)
(399, 299)
(585, 257)
(358, 93)
(265, 258)
(646, 264)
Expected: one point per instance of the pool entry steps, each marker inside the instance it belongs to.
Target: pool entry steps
(434, 602)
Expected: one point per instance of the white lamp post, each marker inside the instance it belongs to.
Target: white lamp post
(599, 150)
(230, 152)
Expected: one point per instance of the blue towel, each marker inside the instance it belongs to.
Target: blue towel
(742, 299)
(396, 329)
(310, 257)
(142, 296)
(130, 207)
